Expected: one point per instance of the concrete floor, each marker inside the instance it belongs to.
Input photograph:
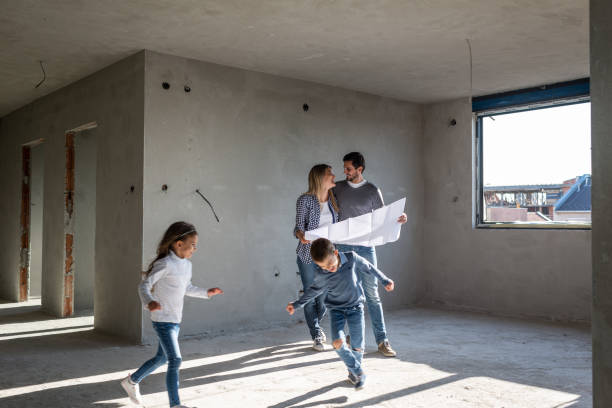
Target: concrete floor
(445, 359)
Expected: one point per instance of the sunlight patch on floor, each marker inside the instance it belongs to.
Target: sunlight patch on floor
(10, 331)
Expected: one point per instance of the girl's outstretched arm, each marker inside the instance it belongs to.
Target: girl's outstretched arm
(214, 291)
(196, 291)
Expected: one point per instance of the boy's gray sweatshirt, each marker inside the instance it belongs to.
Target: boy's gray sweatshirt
(343, 286)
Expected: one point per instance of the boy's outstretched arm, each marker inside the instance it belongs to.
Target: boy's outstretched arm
(390, 286)
(310, 293)
(364, 265)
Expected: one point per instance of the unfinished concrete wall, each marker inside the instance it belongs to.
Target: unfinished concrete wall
(113, 98)
(537, 273)
(601, 133)
(244, 139)
(85, 146)
(36, 218)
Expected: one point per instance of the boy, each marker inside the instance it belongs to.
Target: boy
(338, 274)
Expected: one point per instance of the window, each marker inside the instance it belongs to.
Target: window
(533, 158)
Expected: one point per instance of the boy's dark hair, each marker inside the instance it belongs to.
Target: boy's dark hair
(356, 158)
(321, 249)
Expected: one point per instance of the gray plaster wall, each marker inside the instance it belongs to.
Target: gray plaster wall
(243, 139)
(535, 273)
(37, 165)
(114, 98)
(85, 146)
(601, 133)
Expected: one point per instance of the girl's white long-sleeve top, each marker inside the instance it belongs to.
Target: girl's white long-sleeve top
(167, 284)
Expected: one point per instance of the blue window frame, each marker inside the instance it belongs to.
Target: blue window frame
(491, 106)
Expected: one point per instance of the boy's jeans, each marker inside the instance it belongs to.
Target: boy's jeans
(168, 351)
(370, 289)
(354, 318)
(315, 309)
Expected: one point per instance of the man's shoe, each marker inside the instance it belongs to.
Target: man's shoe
(360, 382)
(317, 344)
(132, 390)
(352, 378)
(323, 337)
(386, 350)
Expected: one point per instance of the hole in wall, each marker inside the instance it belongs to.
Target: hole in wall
(305, 107)
(165, 85)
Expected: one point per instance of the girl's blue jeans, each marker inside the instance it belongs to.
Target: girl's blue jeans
(167, 351)
(353, 318)
(315, 309)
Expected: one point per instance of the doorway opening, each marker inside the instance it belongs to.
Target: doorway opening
(80, 220)
(31, 221)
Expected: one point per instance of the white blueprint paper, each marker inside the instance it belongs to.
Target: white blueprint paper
(372, 229)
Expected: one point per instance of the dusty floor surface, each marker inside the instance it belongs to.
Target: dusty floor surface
(445, 359)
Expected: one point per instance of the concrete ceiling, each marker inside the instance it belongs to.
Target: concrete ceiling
(413, 50)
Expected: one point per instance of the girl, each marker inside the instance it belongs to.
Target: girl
(315, 208)
(167, 281)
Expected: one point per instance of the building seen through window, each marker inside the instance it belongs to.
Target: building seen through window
(536, 165)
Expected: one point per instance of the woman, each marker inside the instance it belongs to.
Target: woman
(315, 208)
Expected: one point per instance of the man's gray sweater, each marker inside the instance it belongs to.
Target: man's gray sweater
(354, 202)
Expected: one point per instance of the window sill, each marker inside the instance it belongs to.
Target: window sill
(534, 225)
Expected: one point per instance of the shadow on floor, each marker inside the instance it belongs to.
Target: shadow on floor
(480, 347)
(80, 395)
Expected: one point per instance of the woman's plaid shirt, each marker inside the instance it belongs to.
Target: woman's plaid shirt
(307, 216)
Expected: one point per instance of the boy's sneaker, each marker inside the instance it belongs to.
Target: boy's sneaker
(352, 378)
(386, 350)
(317, 344)
(360, 382)
(132, 390)
(323, 337)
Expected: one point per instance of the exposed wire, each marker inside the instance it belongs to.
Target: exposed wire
(209, 204)
(471, 69)
(44, 75)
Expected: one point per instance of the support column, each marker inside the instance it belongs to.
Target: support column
(601, 133)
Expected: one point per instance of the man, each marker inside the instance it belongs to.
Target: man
(355, 197)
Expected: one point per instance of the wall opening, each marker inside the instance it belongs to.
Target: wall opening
(31, 232)
(80, 220)
(37, 163)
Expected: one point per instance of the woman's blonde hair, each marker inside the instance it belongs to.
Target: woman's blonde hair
(315, 182)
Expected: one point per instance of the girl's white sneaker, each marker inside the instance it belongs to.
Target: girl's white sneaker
(132, 390)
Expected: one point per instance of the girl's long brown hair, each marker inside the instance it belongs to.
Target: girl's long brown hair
(315, 182)
(178, 231)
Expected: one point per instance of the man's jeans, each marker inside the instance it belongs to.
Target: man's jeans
(353, 317)
(168, 351)
(315, 309)
(370, 289)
